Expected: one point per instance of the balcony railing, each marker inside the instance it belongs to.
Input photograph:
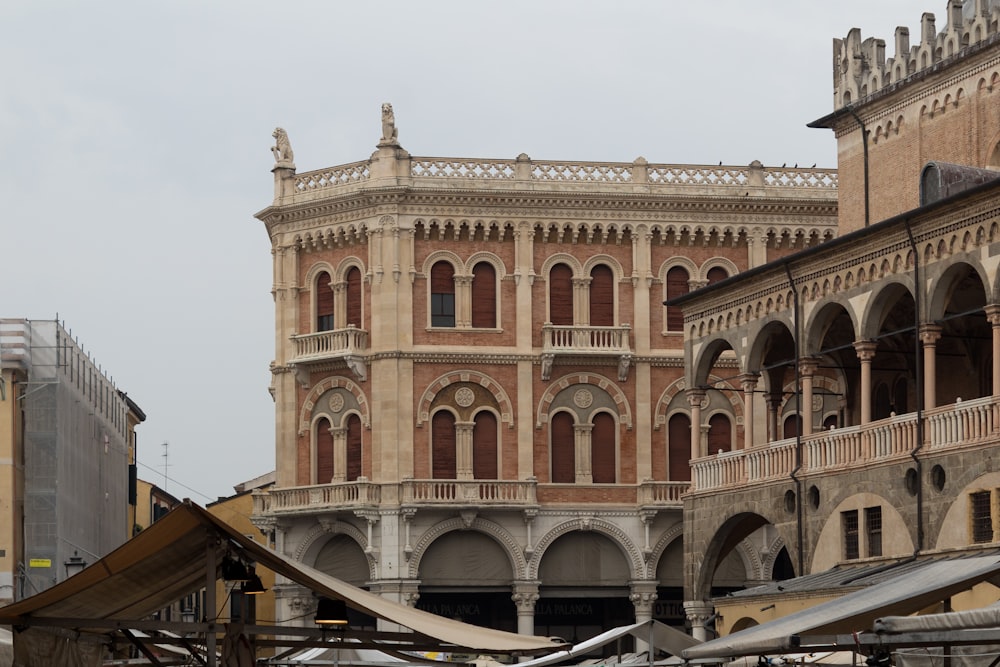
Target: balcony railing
(662, 494)
(472, 492)
(586, 341)
(329, 344)
(963, 424)
(305, 499)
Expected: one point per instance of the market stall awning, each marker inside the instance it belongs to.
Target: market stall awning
(908, 593)
(180, 554)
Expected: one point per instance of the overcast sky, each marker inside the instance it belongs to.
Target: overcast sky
(136, 142)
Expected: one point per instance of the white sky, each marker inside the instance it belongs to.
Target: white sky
(136, 141)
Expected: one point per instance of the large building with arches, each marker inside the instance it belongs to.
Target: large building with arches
(480, 397)
(871, 363)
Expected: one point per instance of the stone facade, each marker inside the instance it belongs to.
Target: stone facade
(872, 362)
(480, 396)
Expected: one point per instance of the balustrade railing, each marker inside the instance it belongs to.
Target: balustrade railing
(327, 344)
(610, 340)
(662, 493)
(436, 169)
(360, 493)
(965, 422)
(478, 492)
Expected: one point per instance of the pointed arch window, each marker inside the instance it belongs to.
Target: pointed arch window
(562, 449)
(443, 464)
(324, 302)
(677, 285)
(484, 447)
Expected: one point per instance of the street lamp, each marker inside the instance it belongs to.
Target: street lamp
(75, 564)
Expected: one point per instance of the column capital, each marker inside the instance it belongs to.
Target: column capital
(525, 595)
(643, 594)
(695, 396)
(993, 314)
(865, 349)
(748, 380)
(698, 611)
(930, 333)
(808, 366)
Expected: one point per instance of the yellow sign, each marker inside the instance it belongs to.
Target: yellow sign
(40, 562)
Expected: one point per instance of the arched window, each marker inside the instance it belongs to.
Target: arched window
(830, 422)
(563, 457)
(716, 274)
(677, 285)
(792, 426)
(442, 295)
(602, 297)
(484, 447)
(679, 447)
(443, 446)
(720, 434)
(602, 449)
(561, 295)
(324, 302)
(484, 296)
(324, 452)
(353, 448)
(354, 297)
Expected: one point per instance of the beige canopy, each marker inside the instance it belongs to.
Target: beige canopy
(181, 553)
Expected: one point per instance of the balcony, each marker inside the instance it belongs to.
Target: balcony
(960, 425)
(346, 345)
(584, 341)
(479, 493)
(358, 495)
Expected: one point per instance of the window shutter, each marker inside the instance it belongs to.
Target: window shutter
(443, 447)
(324, 302)
(716, 274)
(354, 297)
(324, 452)
(677, 285)
(484, 447)
(442, 278)
(561, 295)
(679, 448)
(602, 297)
(563, 457)
(353, 448)
(484, 296)
(602, 449)
(720, 434)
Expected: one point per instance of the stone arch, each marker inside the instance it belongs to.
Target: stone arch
(880, 303)
(705, 360)
(314, 269)
(897, 532)
(819, 321)
(633, 556)
(497, 533)
(445, 256)
(941, 286)
(675, 531)
(323, 386)
(319, 533)
(606, 260)
(488, 257)
(499, 394)
(730, 534)
(346, 265)
(558, 385)
(561, 258)
(678, 260)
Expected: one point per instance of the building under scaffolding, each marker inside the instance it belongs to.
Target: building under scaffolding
(67, 455)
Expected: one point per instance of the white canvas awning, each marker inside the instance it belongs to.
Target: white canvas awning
(180, 553)
(857, 611)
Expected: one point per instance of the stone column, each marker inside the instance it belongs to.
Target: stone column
(463, 449)
(339, 455)
(340, 305)
(695, 398)
(866, 352)
(525, 595)
(749, 382)
(642, 595)
(806, 369)
(773, 405)
(698, 612)
(463, 301)
(581, 301)
(993, 317)
(582, 438)
(930, 334)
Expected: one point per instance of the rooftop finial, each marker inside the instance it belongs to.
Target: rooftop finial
(389, 135)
